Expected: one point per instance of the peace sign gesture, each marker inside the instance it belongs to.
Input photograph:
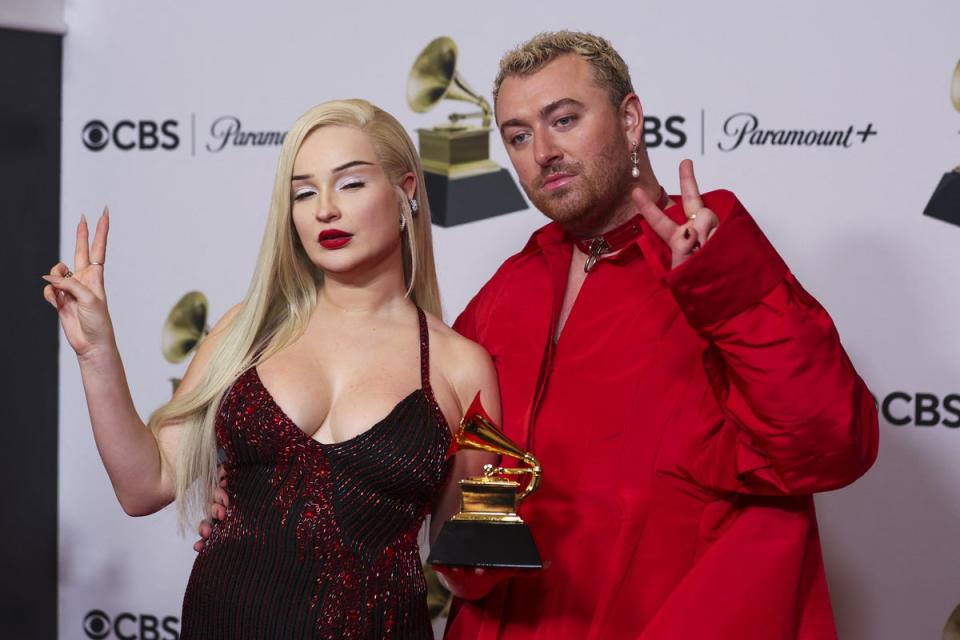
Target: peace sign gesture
(683, 239)
(79, 297)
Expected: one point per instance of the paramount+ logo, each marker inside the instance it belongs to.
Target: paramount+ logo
(920, 409)
(97, 625)
(130, 135)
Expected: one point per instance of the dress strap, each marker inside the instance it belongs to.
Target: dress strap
(425, 373)
(424, 352)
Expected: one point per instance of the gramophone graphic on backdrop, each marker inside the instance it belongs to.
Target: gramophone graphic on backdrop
(951, 630)
(463, 184)
(184, 329)
(945, 202)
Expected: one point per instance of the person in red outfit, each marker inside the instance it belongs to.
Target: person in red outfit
(684, 394)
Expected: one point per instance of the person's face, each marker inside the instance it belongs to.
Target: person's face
(345, 208)
(567, 142)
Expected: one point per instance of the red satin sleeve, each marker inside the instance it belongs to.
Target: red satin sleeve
(797, 416)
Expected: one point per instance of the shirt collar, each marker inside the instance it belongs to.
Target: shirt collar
(553, 234)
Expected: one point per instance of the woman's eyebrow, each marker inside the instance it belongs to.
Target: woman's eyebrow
(343, 167)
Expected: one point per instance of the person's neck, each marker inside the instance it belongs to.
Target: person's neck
(619, 213)
(380, 293)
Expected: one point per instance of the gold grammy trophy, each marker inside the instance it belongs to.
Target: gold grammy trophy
(487, 532)
(463, 184)
(184, 329)
(945, 202)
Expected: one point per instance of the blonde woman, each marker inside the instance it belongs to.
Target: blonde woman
(328, 393)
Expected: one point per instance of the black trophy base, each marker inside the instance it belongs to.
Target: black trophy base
(456, 201)
(468, 543)
(945, 202)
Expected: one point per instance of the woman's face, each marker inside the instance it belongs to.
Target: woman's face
(345, 208)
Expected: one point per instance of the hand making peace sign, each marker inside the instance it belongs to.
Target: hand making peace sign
(683, 239)
(79, 296)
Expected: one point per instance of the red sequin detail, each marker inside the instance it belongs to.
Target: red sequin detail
(320, 540)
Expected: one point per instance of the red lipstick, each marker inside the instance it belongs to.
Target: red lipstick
(334, 238)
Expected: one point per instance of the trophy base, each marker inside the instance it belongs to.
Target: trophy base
(945, 202)
(471, 543)
(455, 201)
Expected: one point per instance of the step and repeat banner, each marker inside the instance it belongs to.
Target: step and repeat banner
(840, 139)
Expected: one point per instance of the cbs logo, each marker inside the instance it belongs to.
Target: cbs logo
(126, 135)
(97, 625)
(900, 408)
(665, 132)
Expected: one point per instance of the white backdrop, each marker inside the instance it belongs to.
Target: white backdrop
(848, 219)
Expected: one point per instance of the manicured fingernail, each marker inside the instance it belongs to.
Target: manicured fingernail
(83, 219)
(106, 211)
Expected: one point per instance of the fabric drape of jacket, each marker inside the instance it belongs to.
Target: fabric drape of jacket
(683, 419)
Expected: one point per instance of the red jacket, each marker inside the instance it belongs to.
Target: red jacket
(682, 420)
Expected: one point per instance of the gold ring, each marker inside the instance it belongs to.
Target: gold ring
(99, 264)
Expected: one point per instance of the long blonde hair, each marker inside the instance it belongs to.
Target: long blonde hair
(283, 291)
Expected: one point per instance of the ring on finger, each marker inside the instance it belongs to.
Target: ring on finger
(692, 217)
(99, 264)
(68, 274)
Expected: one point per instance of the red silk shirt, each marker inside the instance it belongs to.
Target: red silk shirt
(683, 419)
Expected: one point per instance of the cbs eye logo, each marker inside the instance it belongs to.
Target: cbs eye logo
(96, 625)
(127, 135)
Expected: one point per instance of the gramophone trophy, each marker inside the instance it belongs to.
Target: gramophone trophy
(945, 202)
(487, 532)
(463, 184)
(185, 327)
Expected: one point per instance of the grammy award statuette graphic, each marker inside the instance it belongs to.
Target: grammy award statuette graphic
(184, 329)
(487, 532)
(945, 202)
(463, 184)
(951, 630)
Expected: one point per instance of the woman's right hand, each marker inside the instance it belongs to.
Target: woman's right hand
(79, 297)
(218, 510)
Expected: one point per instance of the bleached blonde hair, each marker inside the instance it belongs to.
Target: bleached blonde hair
(283, 291)
(609, 69)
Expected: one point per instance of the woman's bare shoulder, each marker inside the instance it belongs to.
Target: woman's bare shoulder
(226, 319)
(464, 365)
(449, 344)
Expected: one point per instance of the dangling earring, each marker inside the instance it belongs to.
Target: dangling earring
(403, 223)
(635, 171)
(414, 205)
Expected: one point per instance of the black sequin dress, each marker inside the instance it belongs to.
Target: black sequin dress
(320, 540)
